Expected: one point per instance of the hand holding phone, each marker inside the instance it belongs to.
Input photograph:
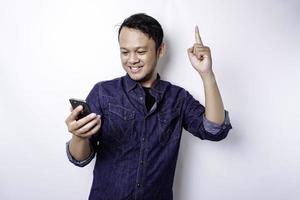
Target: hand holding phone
(86, 127)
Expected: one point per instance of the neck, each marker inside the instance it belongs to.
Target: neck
(149, 83)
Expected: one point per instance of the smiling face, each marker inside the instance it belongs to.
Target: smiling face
(139, 56)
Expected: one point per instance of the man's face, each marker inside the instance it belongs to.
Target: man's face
(138, 55)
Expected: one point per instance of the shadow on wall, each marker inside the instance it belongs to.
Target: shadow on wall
(163, 63)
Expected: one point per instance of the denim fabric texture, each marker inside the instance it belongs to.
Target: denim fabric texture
(136, 150)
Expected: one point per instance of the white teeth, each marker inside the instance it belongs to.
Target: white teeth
(135, 69)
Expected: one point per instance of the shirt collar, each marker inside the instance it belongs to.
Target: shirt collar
(158, 85)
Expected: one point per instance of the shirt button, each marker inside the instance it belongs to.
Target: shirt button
(143, 139)
(138, 185)
(142, 162)
(141, 98)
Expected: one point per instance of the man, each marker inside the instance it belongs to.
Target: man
(136, 139)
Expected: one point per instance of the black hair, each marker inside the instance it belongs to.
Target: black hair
(147, 25)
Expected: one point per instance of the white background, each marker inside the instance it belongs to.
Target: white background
(53, 50)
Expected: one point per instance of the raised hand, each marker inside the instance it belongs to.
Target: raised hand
(200, 55)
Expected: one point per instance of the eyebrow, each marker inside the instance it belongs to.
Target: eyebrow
(139, 47)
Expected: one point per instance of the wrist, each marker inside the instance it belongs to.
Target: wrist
(208, 77)
(78, 139)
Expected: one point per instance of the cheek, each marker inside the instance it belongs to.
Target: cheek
(123, 59)
(149, 60)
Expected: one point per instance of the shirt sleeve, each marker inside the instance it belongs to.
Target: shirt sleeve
(214, 128)
(195, 122)
(79, 163)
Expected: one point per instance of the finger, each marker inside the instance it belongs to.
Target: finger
(81, 122)
(198, 46)
(200, 49)
(75, 112)
(88, 126)
(93, 131)
(197, 36)
(74, 125)
(202, 54)
(190, 50)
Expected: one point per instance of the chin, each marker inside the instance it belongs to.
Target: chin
(141, 76)
(137, 77)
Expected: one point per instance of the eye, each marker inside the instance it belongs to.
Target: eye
(141, 52)
(124, 53)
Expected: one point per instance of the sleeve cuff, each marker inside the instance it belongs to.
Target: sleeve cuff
(214, 128)
(79, 163)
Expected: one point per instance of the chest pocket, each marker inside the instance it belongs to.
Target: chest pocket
(169, 126)
(121, 122)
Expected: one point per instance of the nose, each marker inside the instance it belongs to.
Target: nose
(133, 58)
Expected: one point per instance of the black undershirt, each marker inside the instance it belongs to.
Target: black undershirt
(150, 100)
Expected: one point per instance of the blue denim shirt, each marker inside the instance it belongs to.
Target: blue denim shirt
(137, 150)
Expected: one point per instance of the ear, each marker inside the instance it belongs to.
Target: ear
(161, 50)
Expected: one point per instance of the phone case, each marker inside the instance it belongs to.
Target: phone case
(86, 109)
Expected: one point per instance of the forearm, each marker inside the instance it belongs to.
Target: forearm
(214, 109)
(79, 148)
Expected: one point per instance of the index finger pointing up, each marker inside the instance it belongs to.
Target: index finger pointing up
(197, 36)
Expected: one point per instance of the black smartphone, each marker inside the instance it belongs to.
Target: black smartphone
(86, 108)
